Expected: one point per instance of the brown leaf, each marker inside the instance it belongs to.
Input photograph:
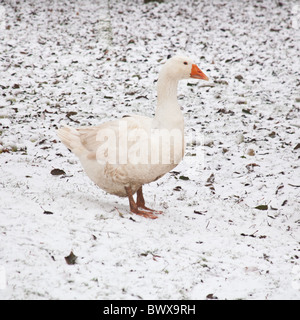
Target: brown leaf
(57, 172)
(239, 77)
(225, 111)
(177, 188)
(210, 180)
(71, 258)
(279, 187)
(211, 296)
(71, 113)
(272, 134)
(251, 152)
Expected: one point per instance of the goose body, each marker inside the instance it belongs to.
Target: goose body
(121, 156)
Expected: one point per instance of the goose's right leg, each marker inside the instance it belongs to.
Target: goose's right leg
(140, 201)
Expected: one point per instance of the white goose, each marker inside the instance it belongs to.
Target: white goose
(122, 155)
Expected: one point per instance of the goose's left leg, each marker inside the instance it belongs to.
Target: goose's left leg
(140, 201)
(134, 207)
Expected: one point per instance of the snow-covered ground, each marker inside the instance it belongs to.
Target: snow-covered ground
(85, 62)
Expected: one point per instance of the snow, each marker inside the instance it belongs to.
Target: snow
(86, 62)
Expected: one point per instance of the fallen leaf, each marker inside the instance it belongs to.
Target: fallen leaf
(210, 180)
(297, 146)
(184, 178)
(252, 235)
(42, 141)
(178, 188)
(272, 134)
(71, 258)
(279, 187)
(174, 173)
(57, 172)
(247, 111)
(209, 183)
(154, 256)
(211, 296)
(262, 207)
(251, 152)
(71, 113)
(208, 143)
(141, 97)
(239, 77)
(225, 111)
(47, 212)
(199, 212)
(224, 82)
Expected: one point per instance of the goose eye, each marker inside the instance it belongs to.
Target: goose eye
(185, 63)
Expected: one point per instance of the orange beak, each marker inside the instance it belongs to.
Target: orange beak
(196, 73)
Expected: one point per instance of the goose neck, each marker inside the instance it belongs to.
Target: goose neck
(167, 91)
(168, 113)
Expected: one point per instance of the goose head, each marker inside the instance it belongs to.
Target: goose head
(180, 67)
